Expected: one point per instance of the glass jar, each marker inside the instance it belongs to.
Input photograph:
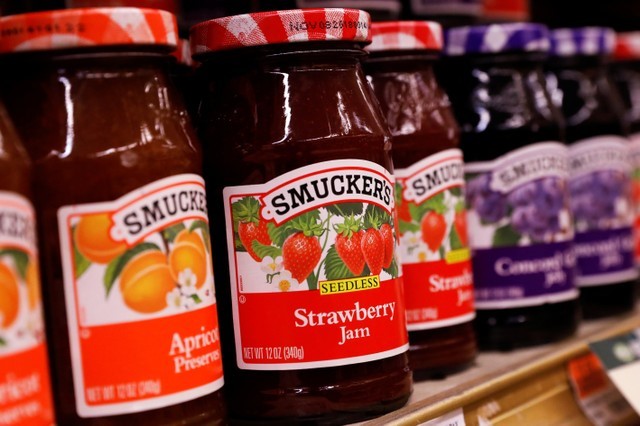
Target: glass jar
(625, 73)
(600, 183)
(23, 352)
(123, 224)
(436, 263)
(297, 159)
(516, 168)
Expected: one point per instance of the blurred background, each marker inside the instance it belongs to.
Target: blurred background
(622, 15)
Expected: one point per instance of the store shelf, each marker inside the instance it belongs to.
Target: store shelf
(523, 387)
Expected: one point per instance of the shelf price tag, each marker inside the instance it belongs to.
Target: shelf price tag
(598, 398)
(454, 418)
(620, 356)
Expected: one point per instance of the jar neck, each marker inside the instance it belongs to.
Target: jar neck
(90, 102)
(499, 94)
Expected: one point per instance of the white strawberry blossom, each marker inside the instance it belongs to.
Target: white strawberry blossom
(285, 281)
(271, 265)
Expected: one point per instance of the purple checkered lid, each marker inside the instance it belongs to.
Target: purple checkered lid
(586, 41)
(498, 38)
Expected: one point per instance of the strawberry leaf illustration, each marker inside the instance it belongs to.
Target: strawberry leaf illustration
(246, 209)
(349, 227)
(334, 267)
(170, 233)
(115, 267)
(263, 250)
(398, 192)
(20, 258)
(454, 239)
(346, 209)
(408, 227)
(456, 191)
(312, 280)
(307, 223)
(279, 233)
(505, 236)
(375, 216)
(392, 269)
(435, 203)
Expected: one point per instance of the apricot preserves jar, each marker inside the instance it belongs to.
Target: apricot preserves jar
(123, 217)
(436, 264)
(25, 386)
(298, 166)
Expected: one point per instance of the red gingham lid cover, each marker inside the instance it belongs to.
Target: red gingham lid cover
(283, 26)
(71, 28)
(405, 35)
(627, 46)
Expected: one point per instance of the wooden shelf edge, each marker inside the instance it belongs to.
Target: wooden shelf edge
(504, 377)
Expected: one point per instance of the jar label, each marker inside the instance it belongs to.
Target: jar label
(635, 192)
(520, 228)
(139, 268)
(432, 222)
(314, 276)
(600, 188)
(25, 388)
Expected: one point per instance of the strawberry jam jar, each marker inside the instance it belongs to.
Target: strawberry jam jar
(298, 165)
(124, 236)
(432, 223)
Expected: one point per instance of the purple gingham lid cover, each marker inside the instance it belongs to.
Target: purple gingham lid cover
(497, 38)
(586, 41)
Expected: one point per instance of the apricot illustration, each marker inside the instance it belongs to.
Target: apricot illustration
(93, 240)
(9, 298)
(33, 284)
(145, 282)
(187, 255)
(191, 237)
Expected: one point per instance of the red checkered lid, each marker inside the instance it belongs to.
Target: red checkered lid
(72, 28)
(627, 46)
(405, 35)
(283, 26)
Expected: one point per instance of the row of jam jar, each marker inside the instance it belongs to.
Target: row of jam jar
(311, 232)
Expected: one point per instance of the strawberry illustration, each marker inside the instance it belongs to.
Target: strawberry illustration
(372, 246)
(434, 228)
(460, 224)
(250, 227)
(386, 232)
(301, 251)
(253, 231)
(348, 245)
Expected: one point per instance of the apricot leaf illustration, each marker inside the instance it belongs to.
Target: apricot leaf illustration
(204, 228)
(20, 258)
(171, 232)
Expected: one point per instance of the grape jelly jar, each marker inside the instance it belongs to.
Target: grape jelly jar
(432, 223)
(516, 170)
(625, 72)
(600, 168)
(297, 156)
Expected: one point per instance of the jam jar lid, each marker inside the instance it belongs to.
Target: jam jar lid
(627, 46)
(405, 35)
(497, 38)
(278, 27)
(87, 27)
(585, 41)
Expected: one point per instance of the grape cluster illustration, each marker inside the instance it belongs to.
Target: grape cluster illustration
(594, 196)
(537, 206)
(533, 209)
(491, 206)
